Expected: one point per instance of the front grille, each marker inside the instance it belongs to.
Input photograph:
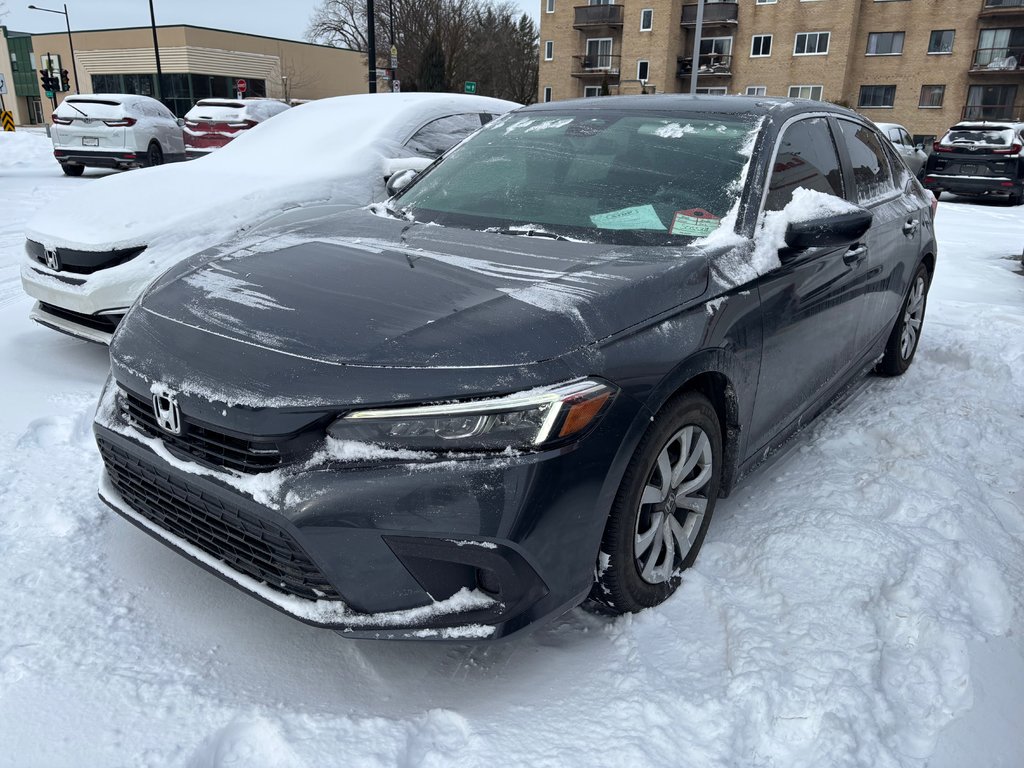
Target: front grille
(83, 262)
(210, 446)
(244, 542)
(104, 323)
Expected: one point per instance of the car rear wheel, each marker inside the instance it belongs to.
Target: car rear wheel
(72, 170)
(906, 334)
(663, 508)
(1015, 198)
(154, 155)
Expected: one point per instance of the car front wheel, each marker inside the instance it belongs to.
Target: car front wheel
(906, 333)
(663, 508)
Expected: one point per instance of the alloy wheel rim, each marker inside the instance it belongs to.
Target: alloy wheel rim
(913, 316)
(672, 505)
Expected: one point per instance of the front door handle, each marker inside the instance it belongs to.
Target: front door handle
(855, 255)
(910, 228)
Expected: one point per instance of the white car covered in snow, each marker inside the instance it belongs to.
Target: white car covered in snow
(212, 123)
(91, 253)
(114, 130)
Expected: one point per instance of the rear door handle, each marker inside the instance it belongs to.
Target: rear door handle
(855, 255)
(910, 228)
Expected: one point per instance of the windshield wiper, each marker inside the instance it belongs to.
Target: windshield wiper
(83, 114)
(401, 213)
(526, 232)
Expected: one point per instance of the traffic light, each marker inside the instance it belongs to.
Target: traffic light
(49, 82)
(65, 80)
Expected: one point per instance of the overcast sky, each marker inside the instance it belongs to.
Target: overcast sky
(275, 18)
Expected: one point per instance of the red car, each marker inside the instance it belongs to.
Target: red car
(212, 123)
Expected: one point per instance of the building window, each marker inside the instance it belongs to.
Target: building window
(811, 44)
(14, 62)
(549, 50)
(885, 43)
(590, 91)
(642, 70)
(932, 96)
(766, 2)
(805, 92)
(646, 19)
(756, 90)
(941, 41)
(599, 53)
(714, 91)
(550, 6)
(547, 93)
(877, 96)
(990, 102)
(761, 45)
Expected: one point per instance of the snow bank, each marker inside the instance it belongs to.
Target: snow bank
(24, 149)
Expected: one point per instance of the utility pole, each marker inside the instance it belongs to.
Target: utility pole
(696, 46)
(371, 46)
(156, 51)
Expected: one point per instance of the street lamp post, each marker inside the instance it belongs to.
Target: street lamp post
(71, 44)
(697, 33)
(156, 51)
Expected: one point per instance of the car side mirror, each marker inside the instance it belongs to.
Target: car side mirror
(181, 122)
(829, 231)
(400, 181)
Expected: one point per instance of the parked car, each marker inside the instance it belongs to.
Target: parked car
(978, 159)
(527, 378)
(913, 154)
(90, 253)
(212, 123)
(114, 130)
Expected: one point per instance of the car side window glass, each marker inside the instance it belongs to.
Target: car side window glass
(806, 158)
(894, 136)
(438, 136)
(872, 173)
(907, 141)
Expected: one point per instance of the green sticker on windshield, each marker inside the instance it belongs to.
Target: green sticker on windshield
(695, 222)
(637, 217)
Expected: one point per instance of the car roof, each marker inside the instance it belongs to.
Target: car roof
(684, 104)
(891, 125)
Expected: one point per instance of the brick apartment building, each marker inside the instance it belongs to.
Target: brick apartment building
(923, 63)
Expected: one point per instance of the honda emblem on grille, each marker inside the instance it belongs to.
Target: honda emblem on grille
(52, 259)
(166, 410)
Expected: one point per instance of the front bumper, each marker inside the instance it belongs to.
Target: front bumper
(466, 549)
(95, 328)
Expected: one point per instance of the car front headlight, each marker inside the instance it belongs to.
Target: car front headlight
(526, 420)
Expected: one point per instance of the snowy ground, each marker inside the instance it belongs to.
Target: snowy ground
(859, 605)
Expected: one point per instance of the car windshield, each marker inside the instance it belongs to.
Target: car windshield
(987, 137)
(597, 175)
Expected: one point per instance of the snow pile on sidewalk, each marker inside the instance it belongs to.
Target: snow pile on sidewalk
(22, 149)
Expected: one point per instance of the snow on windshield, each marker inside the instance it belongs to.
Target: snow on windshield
(988, 137)
(96, 109)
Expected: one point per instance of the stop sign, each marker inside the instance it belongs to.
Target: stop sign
(240, 86)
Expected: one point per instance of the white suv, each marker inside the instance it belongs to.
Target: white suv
(114, 131)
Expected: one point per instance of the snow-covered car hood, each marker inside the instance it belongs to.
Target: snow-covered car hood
(329, 150)
(386, 294)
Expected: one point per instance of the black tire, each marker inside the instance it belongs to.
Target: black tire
(1015, 198)
(72, 170)
(629, 580)
(154, 155)
(903, 343)
(937, 193)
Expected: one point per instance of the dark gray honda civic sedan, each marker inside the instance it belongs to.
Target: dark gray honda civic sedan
(524, 381)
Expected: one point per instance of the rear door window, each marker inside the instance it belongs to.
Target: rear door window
(872, 174)
(806, 158)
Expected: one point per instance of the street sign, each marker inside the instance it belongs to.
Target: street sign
(396, 86)
(470, 86)
(381, 72)
(7, 120)
(241, 86)
(50, 94)
(3, 84)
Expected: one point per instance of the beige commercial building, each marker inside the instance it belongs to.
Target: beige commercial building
(923, 63)
(196, 62)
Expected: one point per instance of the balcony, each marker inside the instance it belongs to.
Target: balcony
(1000, 9)
(596, 66)
(715, 14)
(591, 16)
(709, 65)
(992, 112)
(997, 61)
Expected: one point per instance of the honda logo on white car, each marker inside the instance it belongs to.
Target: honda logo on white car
(166, 410)
(52, 259)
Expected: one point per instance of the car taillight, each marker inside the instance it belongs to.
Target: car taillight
(243, 124)
(124, 122)
(62, 120)
(937, 147)
(1013, 150)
